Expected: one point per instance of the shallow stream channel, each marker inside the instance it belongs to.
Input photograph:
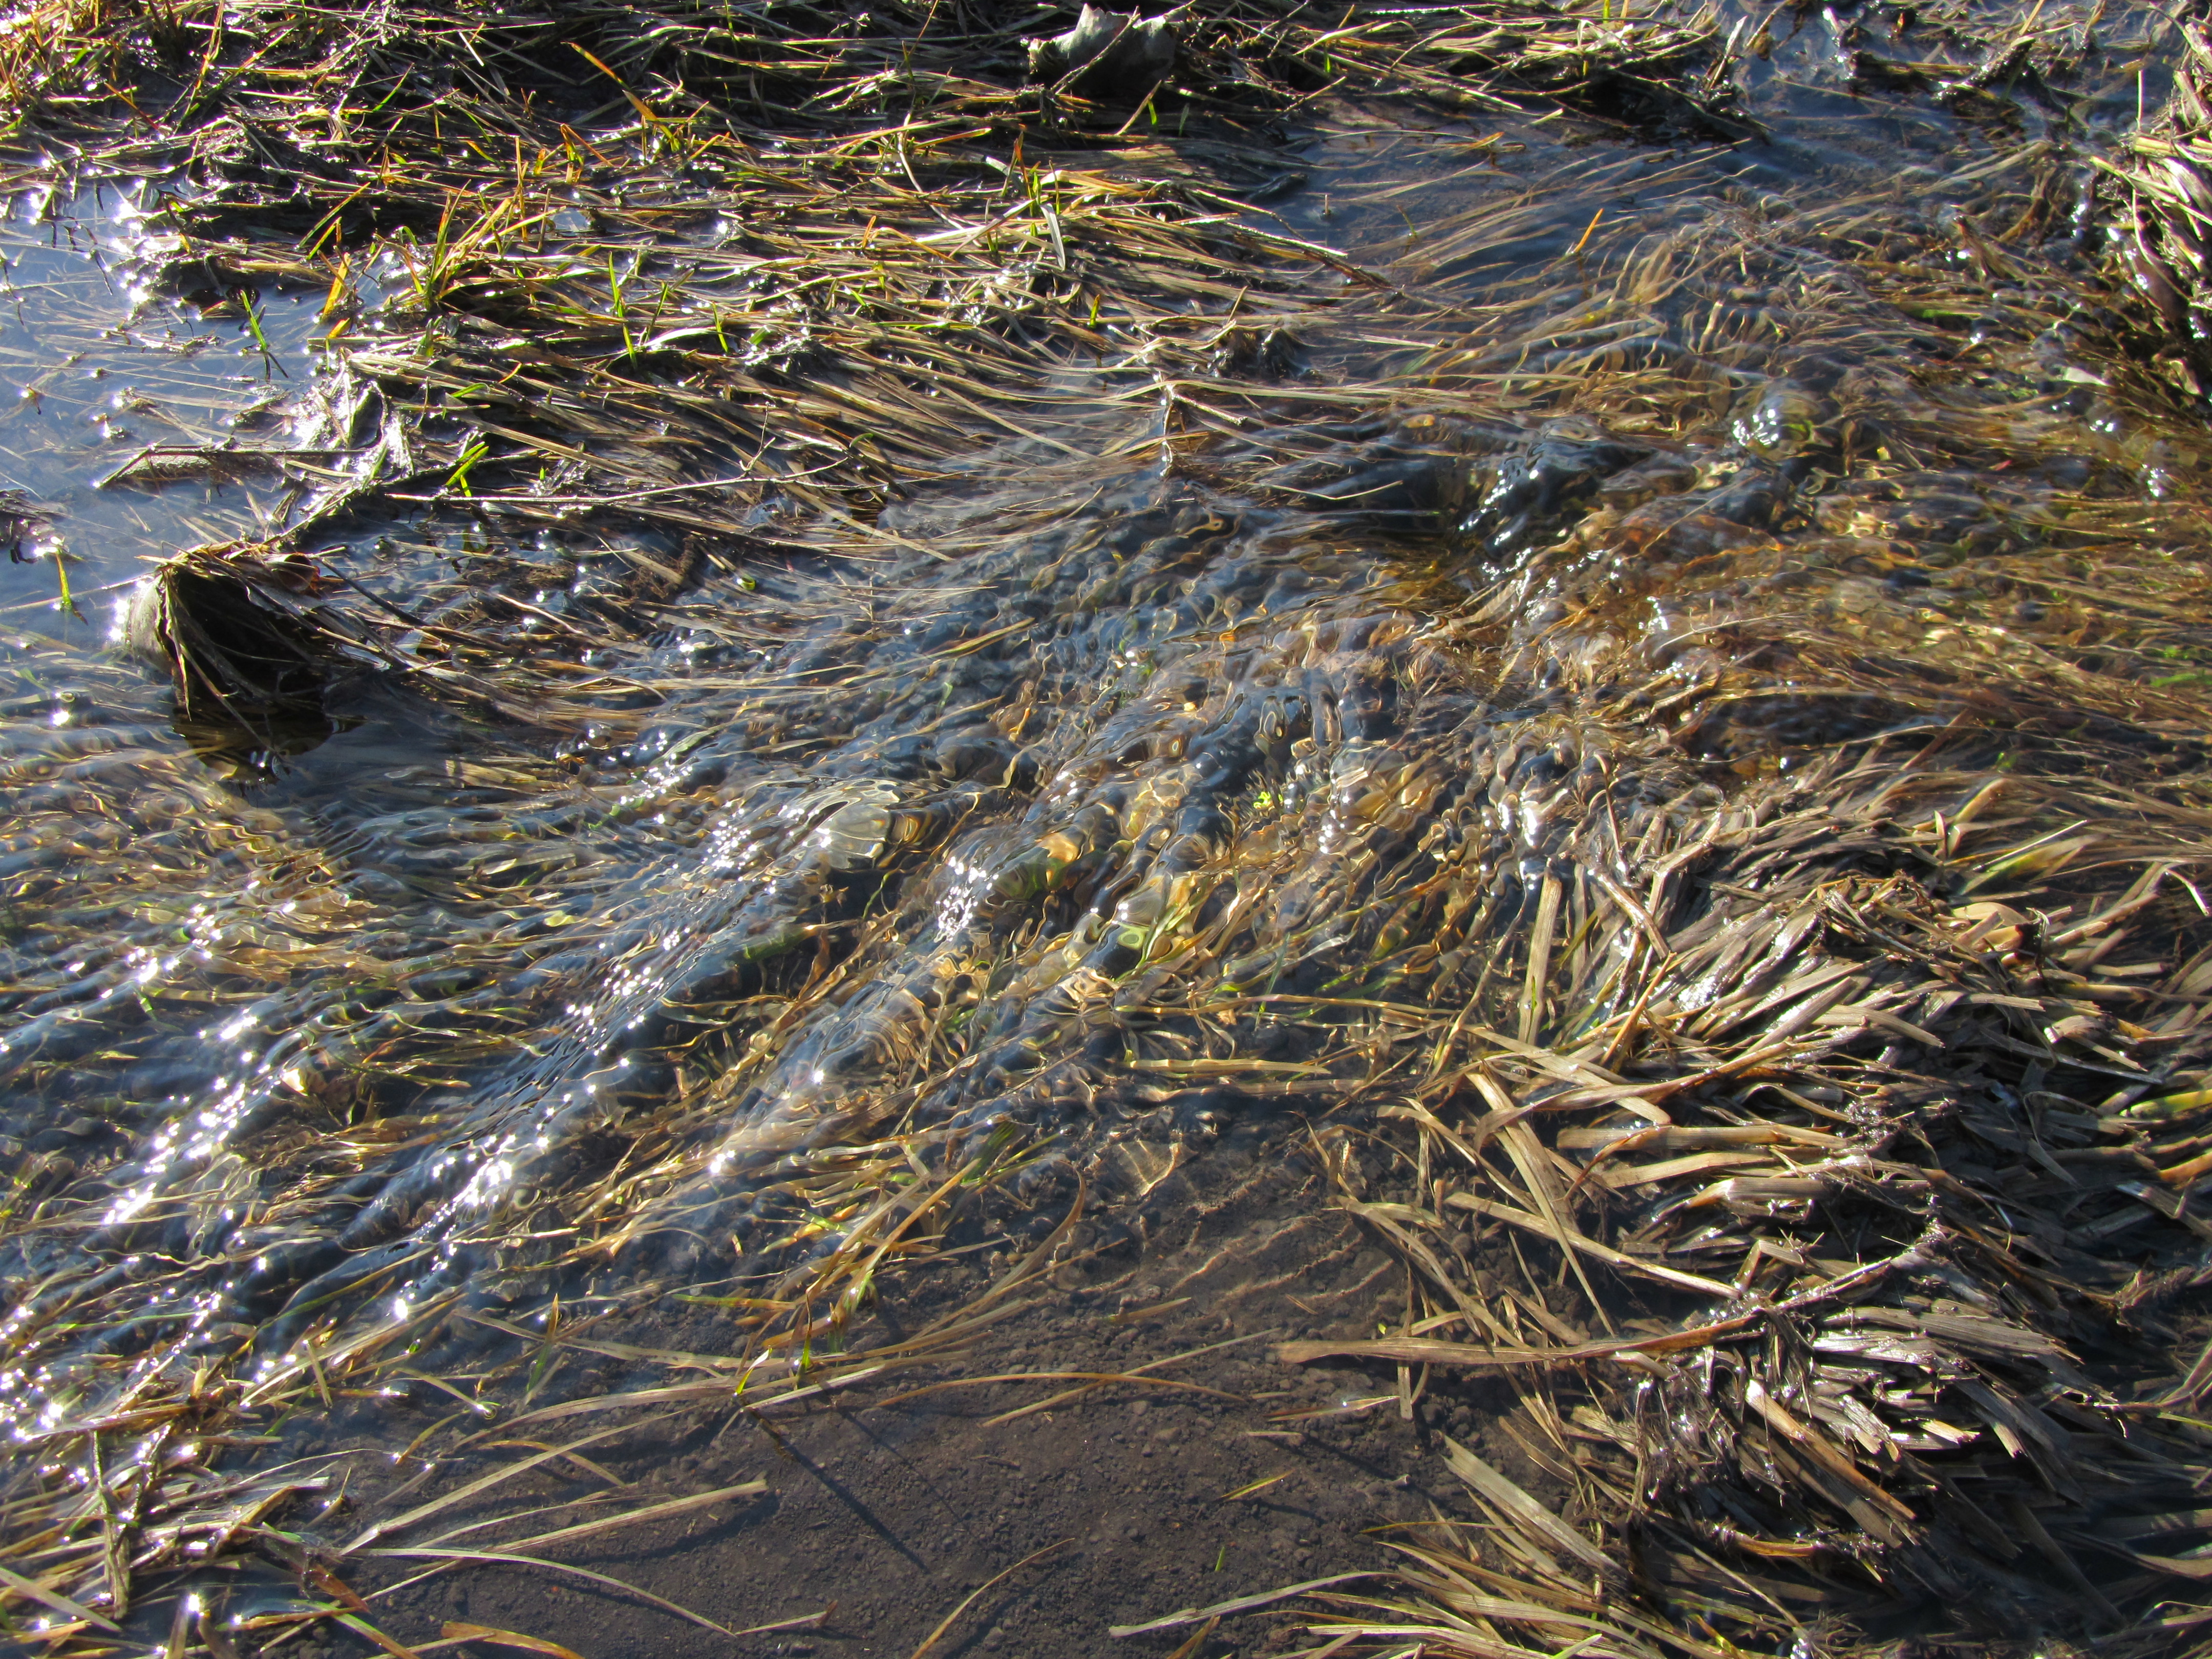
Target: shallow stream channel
(962, 831)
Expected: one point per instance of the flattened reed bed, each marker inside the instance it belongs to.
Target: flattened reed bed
(1517, 731)
(1833, 1289)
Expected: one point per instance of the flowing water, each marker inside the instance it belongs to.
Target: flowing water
(1099, 800)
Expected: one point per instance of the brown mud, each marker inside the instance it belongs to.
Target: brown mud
(886, 1514)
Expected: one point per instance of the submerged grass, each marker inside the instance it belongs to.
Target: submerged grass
(1700, 801)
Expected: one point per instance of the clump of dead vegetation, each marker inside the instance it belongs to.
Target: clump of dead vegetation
(2166, 209)
(1850, 1263)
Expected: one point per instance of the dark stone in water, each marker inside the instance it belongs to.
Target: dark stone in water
(1110, 54)
(1786, 420)
(1752, 497)
(281, 1266)
(237, 659)
(975, 754)
(1406, 494)
(1519, 494)
(1274, 354)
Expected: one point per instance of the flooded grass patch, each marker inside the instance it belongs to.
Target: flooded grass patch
(839, 663)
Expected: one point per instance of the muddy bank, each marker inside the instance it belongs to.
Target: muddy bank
(1207, 1475)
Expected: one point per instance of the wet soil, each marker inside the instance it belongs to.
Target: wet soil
(882, 1512)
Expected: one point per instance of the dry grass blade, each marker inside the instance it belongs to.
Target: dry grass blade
(640, 1515)
(502, 1558)
(33, 1590)
(461, 1631)
(484, 1483)
(929, 1642)
(1520, 1510)
(1141, 1374)
(375, 1637)
(1240, 1604)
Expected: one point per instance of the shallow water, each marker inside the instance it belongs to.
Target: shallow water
(1612, 473)
(144, 413)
